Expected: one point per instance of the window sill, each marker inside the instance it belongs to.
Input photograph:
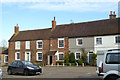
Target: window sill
(38, 60)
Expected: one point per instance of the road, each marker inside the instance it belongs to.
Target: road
(59, 72)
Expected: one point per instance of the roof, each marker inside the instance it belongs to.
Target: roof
(5, 51)
(94, 28)
(31, 35)
(85, 29)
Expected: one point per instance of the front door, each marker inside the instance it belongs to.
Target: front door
(50, 59)
(27, 56)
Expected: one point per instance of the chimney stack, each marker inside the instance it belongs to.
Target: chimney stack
(16, 28)
(112, 15)
(53, 23)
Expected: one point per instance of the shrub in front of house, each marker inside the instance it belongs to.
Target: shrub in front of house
(67, 64)
(93, 57)
(84, 56)
(80, 61)
(71, 58)
(72, 64)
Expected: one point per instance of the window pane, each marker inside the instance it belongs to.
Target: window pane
(79, 41)
(61, 43)
(77, 55)
(39, 44)
(113, 58)
(6, 58)
(39, 56)
(98, 40)
(61, 57)
(18, 55)
(117, 39)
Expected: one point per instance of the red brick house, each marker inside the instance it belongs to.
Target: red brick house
(37, 46)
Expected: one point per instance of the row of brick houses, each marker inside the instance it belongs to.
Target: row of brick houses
(48, 46)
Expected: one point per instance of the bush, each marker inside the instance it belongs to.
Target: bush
(71, 58)
(80, 61)
(66, 58)
(84, 55)
(72, 64)
(67, 64)
(93, 57)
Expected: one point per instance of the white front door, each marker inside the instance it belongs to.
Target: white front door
(27, 56)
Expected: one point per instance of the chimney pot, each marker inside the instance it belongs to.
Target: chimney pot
(16, 29)
(112, 16)
(53, 23)
(110, 12)
(114, 13)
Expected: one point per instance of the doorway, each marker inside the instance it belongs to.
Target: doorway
(51, 59)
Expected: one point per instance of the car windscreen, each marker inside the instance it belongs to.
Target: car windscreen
(27, 63)
(113, 58)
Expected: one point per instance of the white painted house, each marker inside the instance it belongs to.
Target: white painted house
(102, 43)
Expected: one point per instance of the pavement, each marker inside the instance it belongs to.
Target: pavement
(59, 72)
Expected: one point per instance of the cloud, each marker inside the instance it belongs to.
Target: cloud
(66, 5)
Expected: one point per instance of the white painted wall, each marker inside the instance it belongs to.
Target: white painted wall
(108, 42)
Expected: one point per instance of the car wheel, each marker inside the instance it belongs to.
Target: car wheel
(9, 72)
(26, 72)
(111, 78)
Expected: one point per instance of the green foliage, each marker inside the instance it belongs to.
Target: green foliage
(71, 58)
(80, 61)
(93, 57)
(84, 55)
(72, 64)
(67, 64)
(66, 58)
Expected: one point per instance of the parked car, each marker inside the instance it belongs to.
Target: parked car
(110, 67)
(23, 67)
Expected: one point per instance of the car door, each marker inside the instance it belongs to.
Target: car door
(13, 66)
(20, 67)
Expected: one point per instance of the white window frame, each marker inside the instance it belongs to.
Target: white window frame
(16, 55)
(27, 44)
(63, 42)
(37, 44)
(29, 55)
(115, 39)
(37, 56)
(77, 42)
(101, 41)
(58, 56)
(16, 45)
(75, 55)
(4, 59)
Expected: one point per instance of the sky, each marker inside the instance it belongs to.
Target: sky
(38, 14)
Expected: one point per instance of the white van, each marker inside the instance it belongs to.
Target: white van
(109, 68)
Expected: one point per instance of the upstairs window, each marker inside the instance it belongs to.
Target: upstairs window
(98, 41)
(117, 39)
(39, 44)
(39, 56)
(79, 41)
(27, 44)
(17, 45)
(61, 43)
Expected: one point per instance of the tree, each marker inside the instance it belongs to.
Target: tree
(3, 44)
(71, 58)
(66, 58)
(84, 55)
(93, 57)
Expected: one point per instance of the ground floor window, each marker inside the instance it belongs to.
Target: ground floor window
(6, 59)
(77, 55)
(17, 56)
(39, 56)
